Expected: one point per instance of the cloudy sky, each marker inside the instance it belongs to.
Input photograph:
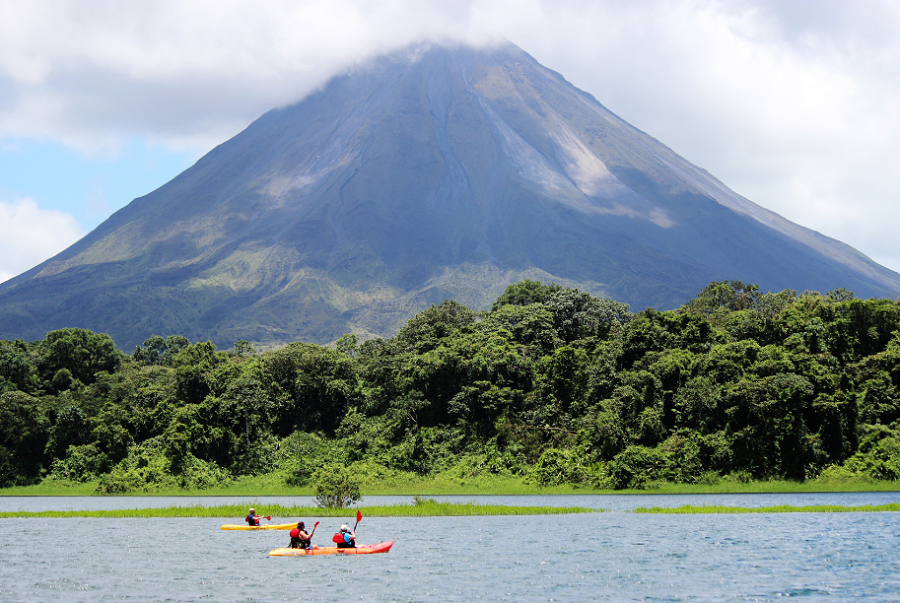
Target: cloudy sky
(794, 104)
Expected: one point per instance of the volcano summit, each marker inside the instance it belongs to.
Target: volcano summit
(435, 172)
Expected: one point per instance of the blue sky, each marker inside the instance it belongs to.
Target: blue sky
(794, 104)
(89, 187)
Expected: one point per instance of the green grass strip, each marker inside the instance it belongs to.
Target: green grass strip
(282, 513)
(693, 509)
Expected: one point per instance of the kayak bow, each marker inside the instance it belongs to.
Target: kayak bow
(364, 549)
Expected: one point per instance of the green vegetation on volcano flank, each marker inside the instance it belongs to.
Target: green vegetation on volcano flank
(552, 387)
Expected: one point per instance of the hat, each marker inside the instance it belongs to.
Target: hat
(252, 510)
(344, 528)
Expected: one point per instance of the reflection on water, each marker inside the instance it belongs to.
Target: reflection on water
(597, 557)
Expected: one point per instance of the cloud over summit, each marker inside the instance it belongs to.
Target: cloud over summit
(792, 104)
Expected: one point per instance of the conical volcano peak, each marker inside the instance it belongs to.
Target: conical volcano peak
(437, 171)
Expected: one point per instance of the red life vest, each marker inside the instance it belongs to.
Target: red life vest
(295, 533)
(344, 538)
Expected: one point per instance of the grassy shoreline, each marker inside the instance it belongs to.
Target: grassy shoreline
(492, 486)
(427, 508)
(283, 513)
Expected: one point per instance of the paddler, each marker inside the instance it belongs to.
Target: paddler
(346, 538)
(252, 518)
(299, 538)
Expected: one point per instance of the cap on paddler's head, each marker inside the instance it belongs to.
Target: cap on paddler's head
(344, 528)
(252, 510)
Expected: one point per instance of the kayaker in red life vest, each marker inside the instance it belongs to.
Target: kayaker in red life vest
(299, 538)
(252, 518)
(347, 538)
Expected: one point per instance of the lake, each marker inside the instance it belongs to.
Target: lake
(610, 556)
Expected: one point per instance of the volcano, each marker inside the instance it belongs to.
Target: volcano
(437, 172)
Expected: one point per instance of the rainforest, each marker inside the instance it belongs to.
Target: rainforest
(551, 387)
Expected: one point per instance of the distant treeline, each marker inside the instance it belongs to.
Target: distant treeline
(552, 384)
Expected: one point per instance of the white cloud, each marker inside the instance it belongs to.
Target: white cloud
(29, 235)
(186, 73)
(792, 104)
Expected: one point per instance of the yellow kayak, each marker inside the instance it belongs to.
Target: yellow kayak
(268, 526)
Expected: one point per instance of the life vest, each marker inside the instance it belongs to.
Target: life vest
(343, 539)
(297, 542)
(251, 519)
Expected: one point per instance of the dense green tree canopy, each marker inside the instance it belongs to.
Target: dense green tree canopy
(552, 384)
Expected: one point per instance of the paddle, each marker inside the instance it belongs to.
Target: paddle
(358, 519)
(311, 545)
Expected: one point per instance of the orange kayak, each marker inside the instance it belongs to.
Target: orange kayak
(363, 549)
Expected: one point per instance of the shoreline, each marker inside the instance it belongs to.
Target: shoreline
(496, 486)
(280, 514)
(418, 508)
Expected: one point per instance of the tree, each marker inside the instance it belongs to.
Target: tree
(83, 352)
(194, 365)
(310, 386)
(16, 369)
(425, 330)
(157, 350)
(579, 315)
(335, 487)
(70, 428)
(242, 347)
(348, 344)
(565, 376)
(525, 293)
(729, 295)
(23, 437)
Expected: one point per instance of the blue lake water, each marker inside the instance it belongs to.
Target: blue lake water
(610, 556)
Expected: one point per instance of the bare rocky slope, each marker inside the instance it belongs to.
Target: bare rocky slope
(436, 172)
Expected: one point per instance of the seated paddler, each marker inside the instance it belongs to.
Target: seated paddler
(252, 518)
(346, 538)
(300, 539)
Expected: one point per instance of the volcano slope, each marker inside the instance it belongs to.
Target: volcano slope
(431, 173)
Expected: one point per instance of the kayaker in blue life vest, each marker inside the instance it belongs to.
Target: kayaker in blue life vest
(252, 518)
(347, 538)
(299, 538)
